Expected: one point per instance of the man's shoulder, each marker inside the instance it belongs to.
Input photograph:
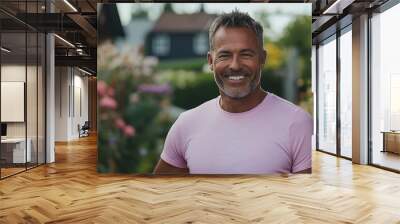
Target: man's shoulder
(288, 108)
(198, 111)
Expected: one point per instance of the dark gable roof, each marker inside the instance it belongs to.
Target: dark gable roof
(109, 23)
(171, 22)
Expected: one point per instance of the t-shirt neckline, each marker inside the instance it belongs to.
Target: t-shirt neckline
(252, 110)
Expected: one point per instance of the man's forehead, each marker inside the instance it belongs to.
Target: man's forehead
(230, 29)
(239, 37)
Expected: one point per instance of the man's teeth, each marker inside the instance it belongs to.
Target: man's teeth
(236, 77)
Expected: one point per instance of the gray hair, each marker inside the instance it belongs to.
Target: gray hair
(235, 19)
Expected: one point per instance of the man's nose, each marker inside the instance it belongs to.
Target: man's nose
(235, 63)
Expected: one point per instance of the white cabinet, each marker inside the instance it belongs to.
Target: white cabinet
(18, 145)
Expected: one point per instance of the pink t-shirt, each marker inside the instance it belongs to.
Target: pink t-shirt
(273, 137)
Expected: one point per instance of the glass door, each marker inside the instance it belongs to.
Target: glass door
(14, 154)
(346, 92)
(385, 89)
(22, 67)
(327, 95)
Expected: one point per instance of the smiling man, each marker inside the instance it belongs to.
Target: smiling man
(245, 130)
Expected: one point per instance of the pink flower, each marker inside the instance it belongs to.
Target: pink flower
(119, 123)
(129, 131)
(101, 87)
(110, 91)
(108, 102)
(155, 88)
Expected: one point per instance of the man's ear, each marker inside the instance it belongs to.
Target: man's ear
(210, 60)
(264, 57)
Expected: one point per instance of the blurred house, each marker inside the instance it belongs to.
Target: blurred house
(109, 23)
(179, 36)
(136, 31)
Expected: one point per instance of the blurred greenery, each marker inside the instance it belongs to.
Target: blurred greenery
(298, 36)
(191, 64)
(131, 131)
(198, 91)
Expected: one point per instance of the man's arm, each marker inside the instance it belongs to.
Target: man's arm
(300, 134)
(163, 167)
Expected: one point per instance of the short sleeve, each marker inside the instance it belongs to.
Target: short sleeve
(300, 136)
(173, 151)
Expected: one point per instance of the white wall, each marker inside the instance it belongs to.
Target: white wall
(61, 103)
(33, 126)
(71, 93)
(12, 73)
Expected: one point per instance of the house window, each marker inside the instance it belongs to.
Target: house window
(200, 44)
(161, 45)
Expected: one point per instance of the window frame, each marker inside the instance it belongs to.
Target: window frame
(158, 43)
(333, 36)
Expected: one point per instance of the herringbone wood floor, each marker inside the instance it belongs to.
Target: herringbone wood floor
(70, 191)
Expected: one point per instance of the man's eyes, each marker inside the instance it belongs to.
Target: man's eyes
(247, 55)
(223, 56)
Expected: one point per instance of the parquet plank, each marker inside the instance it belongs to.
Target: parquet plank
(71, 191)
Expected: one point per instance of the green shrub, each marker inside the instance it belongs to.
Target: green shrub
(272, 82)
(200, 90)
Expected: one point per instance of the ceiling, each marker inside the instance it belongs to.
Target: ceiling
(72, 20)
(76, 22)
(330, 15)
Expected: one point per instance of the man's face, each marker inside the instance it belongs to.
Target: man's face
(237, 60)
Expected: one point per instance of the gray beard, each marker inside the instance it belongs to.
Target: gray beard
(238, 94)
